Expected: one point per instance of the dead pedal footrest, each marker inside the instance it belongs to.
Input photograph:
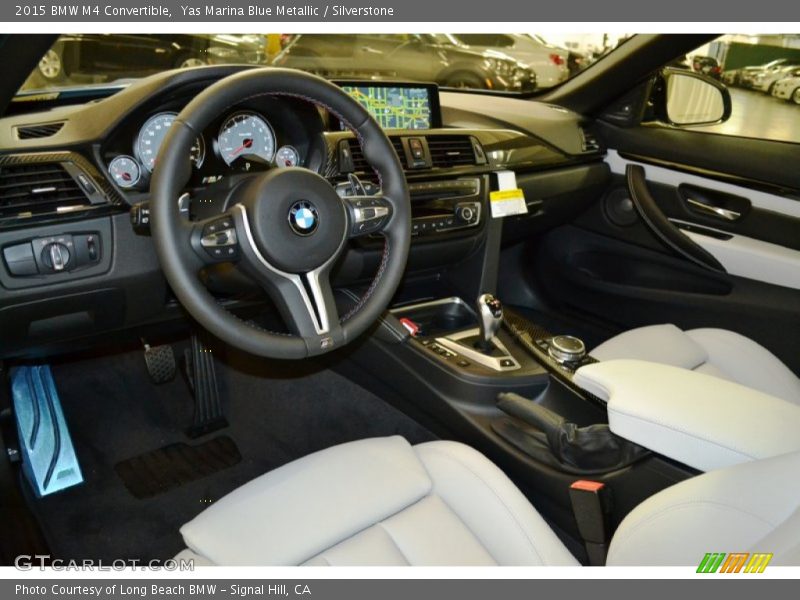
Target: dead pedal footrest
(48, 457)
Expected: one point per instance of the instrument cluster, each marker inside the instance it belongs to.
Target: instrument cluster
(239, 142)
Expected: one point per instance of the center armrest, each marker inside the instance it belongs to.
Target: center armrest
(697, 419)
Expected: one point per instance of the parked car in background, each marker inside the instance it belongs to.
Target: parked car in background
(135, 55)
(765, 81)
(749, 74)
(732, 77)
(113, 56)
(788, 88)
(577, 61)
(707, 65)
(547, 61)
(419, 57)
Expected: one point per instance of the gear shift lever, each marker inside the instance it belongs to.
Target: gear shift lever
(490, 317)
(480, 346)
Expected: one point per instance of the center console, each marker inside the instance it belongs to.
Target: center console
(486, 375)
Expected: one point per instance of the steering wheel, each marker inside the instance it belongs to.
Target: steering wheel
(285, 228)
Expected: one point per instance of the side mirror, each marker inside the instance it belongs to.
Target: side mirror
(689, 99)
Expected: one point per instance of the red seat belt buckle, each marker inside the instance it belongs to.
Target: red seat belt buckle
(585, 485)
(590, 506)
(412, 327)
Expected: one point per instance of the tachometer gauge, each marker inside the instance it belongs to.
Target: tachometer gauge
(287, 156)
(125, 171)
(152, 135)
(246, 135)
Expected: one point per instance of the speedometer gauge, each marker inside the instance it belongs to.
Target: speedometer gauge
(152, 135)
(125, 171)
(246, 135)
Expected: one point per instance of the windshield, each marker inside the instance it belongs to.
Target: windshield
(511, 63)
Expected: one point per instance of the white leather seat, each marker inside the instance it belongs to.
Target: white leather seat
(384, 502)
(716, 352)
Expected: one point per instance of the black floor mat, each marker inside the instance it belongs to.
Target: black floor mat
(277, 411)
(158, 471)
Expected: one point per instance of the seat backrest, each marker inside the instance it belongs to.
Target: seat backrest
(750, 507)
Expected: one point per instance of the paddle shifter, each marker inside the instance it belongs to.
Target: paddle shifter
(490, 317)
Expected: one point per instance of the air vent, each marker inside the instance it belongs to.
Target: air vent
(451, 151)
(360, 164)
(39, 191)
(445, 150)
(398, 148)
(42, 130)
(589, 141)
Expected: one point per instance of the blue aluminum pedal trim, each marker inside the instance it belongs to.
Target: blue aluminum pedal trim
(48, 456)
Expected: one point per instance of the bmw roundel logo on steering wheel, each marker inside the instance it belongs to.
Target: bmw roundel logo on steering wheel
(303, 217)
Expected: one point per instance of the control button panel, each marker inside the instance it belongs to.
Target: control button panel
(545, 345)
(465, 214)
(446, 205)
(219, 239)
(367, 214)
(461, 187)
(443, 352)
(52, 254)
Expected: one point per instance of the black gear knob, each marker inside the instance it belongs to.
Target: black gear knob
(490, 318)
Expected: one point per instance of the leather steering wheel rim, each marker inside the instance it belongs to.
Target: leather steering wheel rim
(178, 251)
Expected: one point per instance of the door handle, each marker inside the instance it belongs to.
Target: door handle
(655, 220)
(724, 213)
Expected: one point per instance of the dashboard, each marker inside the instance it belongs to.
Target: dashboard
(258, 135)
(72, 266)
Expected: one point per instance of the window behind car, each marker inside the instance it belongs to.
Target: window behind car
(495, 62)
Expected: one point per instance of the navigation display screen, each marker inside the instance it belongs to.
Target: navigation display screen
(397, 106)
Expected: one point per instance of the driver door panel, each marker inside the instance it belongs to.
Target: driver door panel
(611, 264)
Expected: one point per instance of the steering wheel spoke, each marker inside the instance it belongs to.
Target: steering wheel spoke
(305, 300)
(367, 214)
(308, 306)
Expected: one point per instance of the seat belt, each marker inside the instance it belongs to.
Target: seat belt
(591, 506)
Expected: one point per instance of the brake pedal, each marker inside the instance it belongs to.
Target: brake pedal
(160, 362)
(48, 456)
(202, 376)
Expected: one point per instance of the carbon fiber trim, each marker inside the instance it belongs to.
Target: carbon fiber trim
(532, 337)
(102, 201)
(106, 189)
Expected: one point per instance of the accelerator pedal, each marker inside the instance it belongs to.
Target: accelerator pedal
(202, 377)
(48, 456)
(160, 362)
